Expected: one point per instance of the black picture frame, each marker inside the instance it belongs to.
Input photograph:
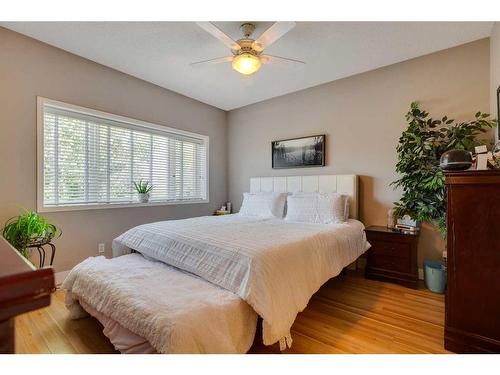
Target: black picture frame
(301, 152)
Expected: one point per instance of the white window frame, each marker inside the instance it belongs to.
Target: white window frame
(41, 102)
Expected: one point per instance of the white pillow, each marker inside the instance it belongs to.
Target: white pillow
(320, 208)
(263, 204)
(346, 207)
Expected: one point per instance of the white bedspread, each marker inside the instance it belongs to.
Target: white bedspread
(274, 265)
(175, 311)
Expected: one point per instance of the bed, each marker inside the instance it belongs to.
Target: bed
(197, 285)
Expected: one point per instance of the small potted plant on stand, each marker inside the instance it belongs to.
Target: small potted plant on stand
(28, 231)
(143, 188)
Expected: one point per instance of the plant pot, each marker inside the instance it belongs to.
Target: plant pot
(143, 197)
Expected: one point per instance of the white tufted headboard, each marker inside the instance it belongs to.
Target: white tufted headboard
(332, 183)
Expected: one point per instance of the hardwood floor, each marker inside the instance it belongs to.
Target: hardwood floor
(349, 314)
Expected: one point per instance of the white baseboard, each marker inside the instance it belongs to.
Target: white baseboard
(60, 276)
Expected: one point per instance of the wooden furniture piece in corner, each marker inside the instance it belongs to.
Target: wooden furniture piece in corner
(392, 257)
(22, 288)
(472, 317)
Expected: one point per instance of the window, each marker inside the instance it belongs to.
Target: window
(89, 159)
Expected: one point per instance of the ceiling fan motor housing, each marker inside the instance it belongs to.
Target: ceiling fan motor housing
(246, 43)
(246, 47)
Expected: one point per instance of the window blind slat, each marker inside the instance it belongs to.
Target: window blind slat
(93, 160)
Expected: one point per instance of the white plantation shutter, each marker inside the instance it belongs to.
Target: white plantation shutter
(93, 160)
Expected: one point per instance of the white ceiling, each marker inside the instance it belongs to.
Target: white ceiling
(160, 52)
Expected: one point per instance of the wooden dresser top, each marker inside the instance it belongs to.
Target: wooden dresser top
(467, 177)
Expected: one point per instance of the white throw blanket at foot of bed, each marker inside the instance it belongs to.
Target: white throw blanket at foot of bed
(176, 312)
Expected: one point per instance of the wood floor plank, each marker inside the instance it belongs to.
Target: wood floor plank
(80, 333)
(383, 316)
(349, 314)
(27, 337)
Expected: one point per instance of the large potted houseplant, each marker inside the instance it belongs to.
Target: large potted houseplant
(419, 150)
(29, 229)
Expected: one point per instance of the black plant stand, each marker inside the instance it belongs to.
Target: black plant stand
(41, 252)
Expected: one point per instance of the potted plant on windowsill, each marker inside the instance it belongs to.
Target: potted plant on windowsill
(28, 230)
(143, 189)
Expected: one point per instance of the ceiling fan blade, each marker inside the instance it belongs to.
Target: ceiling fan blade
(217, 60)
(271, 35)
(210, 28)
(266, 59)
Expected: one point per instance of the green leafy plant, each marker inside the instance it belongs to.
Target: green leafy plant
(27, 229)
(419, 150)
(143, 187)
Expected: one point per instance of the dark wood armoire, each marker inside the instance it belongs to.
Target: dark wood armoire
(472, 320)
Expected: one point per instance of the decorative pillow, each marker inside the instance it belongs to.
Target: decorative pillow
(263, 204)
(320, 208)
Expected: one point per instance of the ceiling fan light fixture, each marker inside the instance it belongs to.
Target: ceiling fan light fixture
(246, 63)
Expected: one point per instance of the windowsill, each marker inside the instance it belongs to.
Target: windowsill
(84, 207)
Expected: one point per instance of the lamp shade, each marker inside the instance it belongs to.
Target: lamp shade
(246, 63)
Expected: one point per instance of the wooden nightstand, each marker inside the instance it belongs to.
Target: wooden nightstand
(392, 257)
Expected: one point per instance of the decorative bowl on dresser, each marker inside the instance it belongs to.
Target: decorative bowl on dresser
(392, 256)
(472, 317)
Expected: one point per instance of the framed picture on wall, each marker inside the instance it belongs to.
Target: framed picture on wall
(299, 152)
(498, 113)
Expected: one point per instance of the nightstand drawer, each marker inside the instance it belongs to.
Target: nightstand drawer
(391, 249)
(390, 263)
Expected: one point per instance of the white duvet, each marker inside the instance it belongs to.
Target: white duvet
(273, 264)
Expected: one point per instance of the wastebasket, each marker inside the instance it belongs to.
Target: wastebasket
(435, 276)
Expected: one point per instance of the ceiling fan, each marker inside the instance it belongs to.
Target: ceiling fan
(247, 53)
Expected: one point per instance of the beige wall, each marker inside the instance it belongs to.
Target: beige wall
(494, 70)
(363, 117)
(29, 68)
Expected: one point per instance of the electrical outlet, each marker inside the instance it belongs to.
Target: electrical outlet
(101, 248)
